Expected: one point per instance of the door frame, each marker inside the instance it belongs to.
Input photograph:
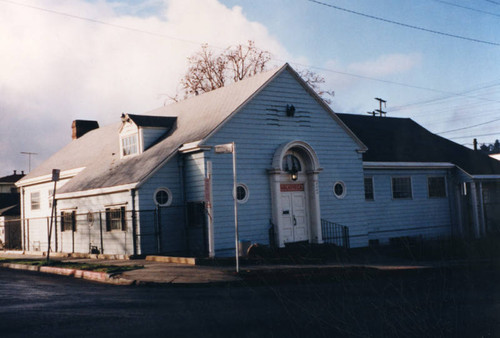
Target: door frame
(308, 176)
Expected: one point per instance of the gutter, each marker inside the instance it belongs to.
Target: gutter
(408, 165)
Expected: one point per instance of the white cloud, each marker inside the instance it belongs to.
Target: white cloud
(57, 68)
(386, 65)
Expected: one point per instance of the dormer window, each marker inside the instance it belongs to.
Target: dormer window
(130, 145)
(140, 132)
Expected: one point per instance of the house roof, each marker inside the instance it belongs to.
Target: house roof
(152, 121)
(11, 178)
(196, 119)
(403, 140)
(98, 150)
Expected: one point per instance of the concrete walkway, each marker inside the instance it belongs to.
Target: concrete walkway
(168, 273)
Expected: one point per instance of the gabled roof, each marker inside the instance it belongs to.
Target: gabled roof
(196, 119)
(152, 121)
(403, 140)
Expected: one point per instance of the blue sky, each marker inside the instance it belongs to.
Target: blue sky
(66, 60)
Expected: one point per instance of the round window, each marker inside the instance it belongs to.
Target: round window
(162, 197)
(339, 189)
(241, 193)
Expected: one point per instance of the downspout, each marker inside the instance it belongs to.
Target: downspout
(481, 206)
(182, 167)
(134, 223)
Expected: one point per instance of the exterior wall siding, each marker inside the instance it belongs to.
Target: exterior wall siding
(258, 130)
(170, 218)
(419, 216)
(150, 136)
(87, 234)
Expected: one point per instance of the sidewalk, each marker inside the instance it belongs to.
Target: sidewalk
(155, 273)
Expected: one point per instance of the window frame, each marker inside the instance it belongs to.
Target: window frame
(429, 178)
(169, 199)
(65, 219)
(410, 185)
(113, 220)
(370, 178)
(344, 189)
(127, 147)
(247, 193)
(35, 202)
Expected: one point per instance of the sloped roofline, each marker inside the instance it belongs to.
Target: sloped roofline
(286, 66)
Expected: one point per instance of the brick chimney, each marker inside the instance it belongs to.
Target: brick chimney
(81, 127)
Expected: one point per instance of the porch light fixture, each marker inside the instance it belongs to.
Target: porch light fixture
(294, 173)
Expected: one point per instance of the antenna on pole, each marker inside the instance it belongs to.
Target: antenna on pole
(379, 111)
(29, 158)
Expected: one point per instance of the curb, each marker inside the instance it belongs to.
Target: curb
(101, 277)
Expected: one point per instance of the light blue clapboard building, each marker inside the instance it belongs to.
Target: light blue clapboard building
(154, 183)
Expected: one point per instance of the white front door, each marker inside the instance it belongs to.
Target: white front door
(294, 213)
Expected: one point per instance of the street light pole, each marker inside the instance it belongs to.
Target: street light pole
(226, 149)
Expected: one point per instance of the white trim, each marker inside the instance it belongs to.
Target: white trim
(192, 147)
(485, 177)
(169, 194)
(48, 178)
(92, 192)
(407, 165)
(247, 193)
(344, 190)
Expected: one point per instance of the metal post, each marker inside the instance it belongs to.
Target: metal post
(55, 178)
(235, 212)
(100, 230)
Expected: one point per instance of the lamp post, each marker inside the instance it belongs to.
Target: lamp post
(226, 149)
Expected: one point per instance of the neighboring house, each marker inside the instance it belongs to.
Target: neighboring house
(154, 183)
(10, 225)
(495, 156)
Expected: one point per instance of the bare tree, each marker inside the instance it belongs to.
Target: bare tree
(208, 71)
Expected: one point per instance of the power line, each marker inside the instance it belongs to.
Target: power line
(493, 2)
(103, 22)
(218, 47)
(476, 125)
(461, 137)
(468, 8)
(405, 24)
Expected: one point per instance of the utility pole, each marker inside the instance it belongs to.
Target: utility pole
(29, 158)
(380, 112)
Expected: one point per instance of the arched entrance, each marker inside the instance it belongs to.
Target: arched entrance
(295, 194)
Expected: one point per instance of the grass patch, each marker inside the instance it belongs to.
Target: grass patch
(74, 265)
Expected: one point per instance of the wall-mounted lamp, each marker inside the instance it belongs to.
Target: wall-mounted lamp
(290, 110)
(294, 172)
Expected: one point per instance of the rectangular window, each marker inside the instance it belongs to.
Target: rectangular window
(369, 188)
(129, 145)
(401, 187)
(68, 221)
(35, 200)
(436, 186)
(116, 219)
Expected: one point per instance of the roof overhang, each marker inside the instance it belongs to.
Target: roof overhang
(48, 178)
(485, 177)
(193, 147)
(408, 165)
